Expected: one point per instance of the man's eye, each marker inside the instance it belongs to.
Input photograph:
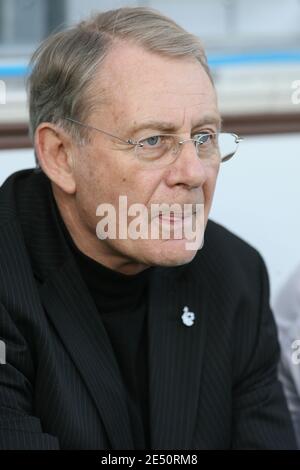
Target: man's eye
(152, 141)
(203, 138)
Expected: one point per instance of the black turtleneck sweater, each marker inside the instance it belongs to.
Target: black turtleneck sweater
(121, 300)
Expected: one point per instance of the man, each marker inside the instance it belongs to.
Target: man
(287, 314)
(124, 342)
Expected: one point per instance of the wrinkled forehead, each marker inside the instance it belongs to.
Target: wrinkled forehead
(140, 85)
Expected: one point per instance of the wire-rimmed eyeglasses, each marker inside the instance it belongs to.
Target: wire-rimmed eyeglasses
(160, 150)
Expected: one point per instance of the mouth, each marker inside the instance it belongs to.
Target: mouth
(173, 219)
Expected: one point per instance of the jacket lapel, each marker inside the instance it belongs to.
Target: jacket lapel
(78, 323)
(175, 354)
(175, 357)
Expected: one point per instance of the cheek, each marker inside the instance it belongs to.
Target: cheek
(210, 184)
(103, 178)
(139, 186)
(91, 188)
(212, 176)
(99, 177)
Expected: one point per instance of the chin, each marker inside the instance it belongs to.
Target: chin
(172, 253)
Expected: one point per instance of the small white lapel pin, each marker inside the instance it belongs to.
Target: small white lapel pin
(187, 317)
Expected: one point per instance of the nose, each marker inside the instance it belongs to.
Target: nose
(188, 169)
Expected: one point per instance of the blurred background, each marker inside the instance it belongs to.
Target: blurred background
(253, 49)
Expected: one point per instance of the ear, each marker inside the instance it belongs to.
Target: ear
(55, 155)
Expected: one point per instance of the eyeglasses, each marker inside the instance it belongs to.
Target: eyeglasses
(160, 150)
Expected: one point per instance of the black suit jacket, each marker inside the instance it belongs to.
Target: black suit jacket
(212, 385)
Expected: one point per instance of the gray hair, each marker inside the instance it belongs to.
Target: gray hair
(65, 64)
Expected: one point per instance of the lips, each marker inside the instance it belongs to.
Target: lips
(173, 218)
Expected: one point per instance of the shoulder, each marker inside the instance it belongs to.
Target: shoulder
(21, 194)
(22, 208)
(221, 237)
(229, 253)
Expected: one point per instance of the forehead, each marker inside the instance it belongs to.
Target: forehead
(141, 85)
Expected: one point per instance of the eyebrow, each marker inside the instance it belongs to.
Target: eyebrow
(167, 126)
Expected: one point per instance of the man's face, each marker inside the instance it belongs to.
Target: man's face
(138, 87)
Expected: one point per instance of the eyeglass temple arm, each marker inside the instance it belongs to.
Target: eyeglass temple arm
(87, 126)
